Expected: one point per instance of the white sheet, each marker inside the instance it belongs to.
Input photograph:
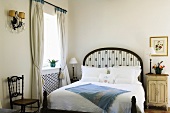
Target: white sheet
(66, 100)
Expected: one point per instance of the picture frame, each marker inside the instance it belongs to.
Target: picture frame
(160, 45)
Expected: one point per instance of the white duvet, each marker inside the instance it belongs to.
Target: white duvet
(66, 100)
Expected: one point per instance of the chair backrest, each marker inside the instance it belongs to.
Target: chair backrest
(15, 86)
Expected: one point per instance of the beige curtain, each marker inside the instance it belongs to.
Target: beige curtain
(0, 105)
(37, 47)
(65, 78)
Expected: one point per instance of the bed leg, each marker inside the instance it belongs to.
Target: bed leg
(133, 108)
(44, 107)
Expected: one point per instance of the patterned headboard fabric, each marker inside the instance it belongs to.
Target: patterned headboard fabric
(111, 56)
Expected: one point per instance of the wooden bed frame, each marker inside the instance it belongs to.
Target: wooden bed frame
(105, 57)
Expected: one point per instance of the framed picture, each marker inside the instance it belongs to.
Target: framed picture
(160, 44)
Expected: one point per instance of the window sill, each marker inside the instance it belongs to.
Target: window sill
(49, 68)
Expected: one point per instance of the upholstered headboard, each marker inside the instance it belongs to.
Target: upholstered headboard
(112, 56)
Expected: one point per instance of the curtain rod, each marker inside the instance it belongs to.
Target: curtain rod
(55, 6)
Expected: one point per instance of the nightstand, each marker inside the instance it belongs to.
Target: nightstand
(157, 90)
(74, 80)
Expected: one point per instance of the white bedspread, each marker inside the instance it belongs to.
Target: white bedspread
(66, 100)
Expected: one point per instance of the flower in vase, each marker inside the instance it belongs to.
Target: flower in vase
(158, 67)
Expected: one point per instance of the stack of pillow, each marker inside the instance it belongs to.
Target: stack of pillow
(112, 75)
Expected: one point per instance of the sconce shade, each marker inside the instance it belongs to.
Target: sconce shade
(73, 61)
(21, 15)
(151, 51)
(12, 13)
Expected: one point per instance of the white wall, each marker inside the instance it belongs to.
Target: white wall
(15, 56)
(15, 52)
(1, 21)
(117, 23)
(92, 24)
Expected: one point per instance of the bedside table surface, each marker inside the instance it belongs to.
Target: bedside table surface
(157, 74)
(74, 80)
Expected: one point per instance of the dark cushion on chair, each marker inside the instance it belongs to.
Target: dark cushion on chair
(25, 101)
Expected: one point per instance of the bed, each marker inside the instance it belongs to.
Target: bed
(122, 65)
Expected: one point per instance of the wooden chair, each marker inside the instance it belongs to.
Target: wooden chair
(16, 89)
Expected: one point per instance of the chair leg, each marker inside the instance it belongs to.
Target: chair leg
(11, 106)
(23, 109)
(38, 102)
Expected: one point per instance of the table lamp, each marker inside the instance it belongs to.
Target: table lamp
(73, 61)
(151, 52)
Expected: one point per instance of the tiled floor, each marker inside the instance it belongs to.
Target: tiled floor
(156, 111)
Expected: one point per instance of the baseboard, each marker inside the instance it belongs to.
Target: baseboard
(158, 108)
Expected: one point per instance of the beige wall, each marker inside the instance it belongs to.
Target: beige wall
(117, 23)
(15, 54)
(92, 24)
(1, 8)
(15, 49)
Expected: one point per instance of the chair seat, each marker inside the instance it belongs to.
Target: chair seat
(25, 101)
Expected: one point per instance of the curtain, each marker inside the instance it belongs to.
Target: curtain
(37, 47)
(0, 105)
(64, 76)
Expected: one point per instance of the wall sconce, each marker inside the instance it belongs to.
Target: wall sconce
(16, 23)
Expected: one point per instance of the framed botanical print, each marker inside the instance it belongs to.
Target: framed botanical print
(160, 45)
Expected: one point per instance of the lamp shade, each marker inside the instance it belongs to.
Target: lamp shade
(152, 51)
(73, 61)
(21, 15)
(12, 13)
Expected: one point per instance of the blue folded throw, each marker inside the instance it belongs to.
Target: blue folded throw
(102, 96)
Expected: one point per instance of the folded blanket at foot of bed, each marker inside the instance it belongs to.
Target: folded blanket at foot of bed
(102, 96)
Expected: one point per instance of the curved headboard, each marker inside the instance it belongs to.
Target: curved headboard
(112, 56)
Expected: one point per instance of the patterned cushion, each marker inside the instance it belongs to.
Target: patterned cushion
(106, 78)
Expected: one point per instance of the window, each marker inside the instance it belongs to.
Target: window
(51, 41)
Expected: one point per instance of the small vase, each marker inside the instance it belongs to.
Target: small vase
(158, 70)
(52, 64)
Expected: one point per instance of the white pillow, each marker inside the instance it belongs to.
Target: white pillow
(123, 81)
(106, 78)
(124, 73)
(90, 79)
(88, 71)
(137, 70)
